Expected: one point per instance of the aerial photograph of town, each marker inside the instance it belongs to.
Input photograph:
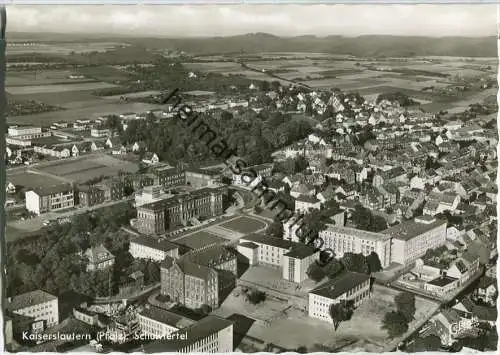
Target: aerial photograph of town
(250, 178)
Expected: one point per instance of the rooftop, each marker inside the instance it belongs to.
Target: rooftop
(411, 229)
(300, 252)
(356, 232)
(29, 299)
(54, 189)
(341, 284)
(442, 281)
(166, 317)
(163, 245)
(200, 330)
(275, 242)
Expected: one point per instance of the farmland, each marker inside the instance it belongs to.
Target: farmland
(62, 48)
(45, 77)
(55, 88)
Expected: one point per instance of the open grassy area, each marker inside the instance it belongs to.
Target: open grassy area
(41, 77)
(199, 239)
(245, 225)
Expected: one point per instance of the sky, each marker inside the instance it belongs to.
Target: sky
(281, 20)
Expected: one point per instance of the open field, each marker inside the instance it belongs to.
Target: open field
(30, 179)
(55, 88)
(41, 77)
(62, 48)
(245, 225)
(89, 167)
(291, 328)
(65, 99)
(106, 73)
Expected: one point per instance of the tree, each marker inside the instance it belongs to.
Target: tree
(373, 262)
(333, 268)
(256, 296)
(315, 272)
(276, 230)
(355, 263)
(341, 311)
(395, 323)
(405, 303)
(361, 217)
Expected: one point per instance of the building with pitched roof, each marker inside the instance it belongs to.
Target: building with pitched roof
(143, 247)
(37, 305)
(347, 286)
(189, 284)
(99, 258)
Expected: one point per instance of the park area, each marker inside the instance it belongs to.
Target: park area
(279, 323)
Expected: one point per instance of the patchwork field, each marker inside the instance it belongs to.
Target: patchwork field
(63, 48)
(41, 77)
(54, 88)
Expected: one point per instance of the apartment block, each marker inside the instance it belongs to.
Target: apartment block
(411, 239)
(53, 198)
(351, 240)
(347, 286)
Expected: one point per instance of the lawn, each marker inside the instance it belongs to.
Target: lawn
(89, 167)
(29, 180)
(199, 239)
(41, 77)
(245, 225)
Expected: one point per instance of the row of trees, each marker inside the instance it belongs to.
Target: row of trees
(350, 262)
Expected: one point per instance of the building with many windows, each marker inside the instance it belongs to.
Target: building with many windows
(411, 239)
(46, 199)
(209, 335)
(347, 286)
(38, 305)
(168, 176)
(160, 216)
(189, 284)
(155, 322)
(143, 247)
(350, 240)
(297, 261)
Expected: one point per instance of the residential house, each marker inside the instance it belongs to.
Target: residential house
(99, 258)
(151, 158)
(486, 291)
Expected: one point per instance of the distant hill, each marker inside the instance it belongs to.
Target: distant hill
(362, 46)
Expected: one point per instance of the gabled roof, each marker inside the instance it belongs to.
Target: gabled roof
(28, 299)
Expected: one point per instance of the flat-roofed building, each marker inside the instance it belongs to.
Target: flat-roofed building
(143, 247)
(202, 177)
(297, 261)
(270, 251)
(50, 198)
(351, 240)
(209, 335)
(411, 239)
(155, 322)
(38, 305)
(350, 286)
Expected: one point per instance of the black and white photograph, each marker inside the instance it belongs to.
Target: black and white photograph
(250, 178)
